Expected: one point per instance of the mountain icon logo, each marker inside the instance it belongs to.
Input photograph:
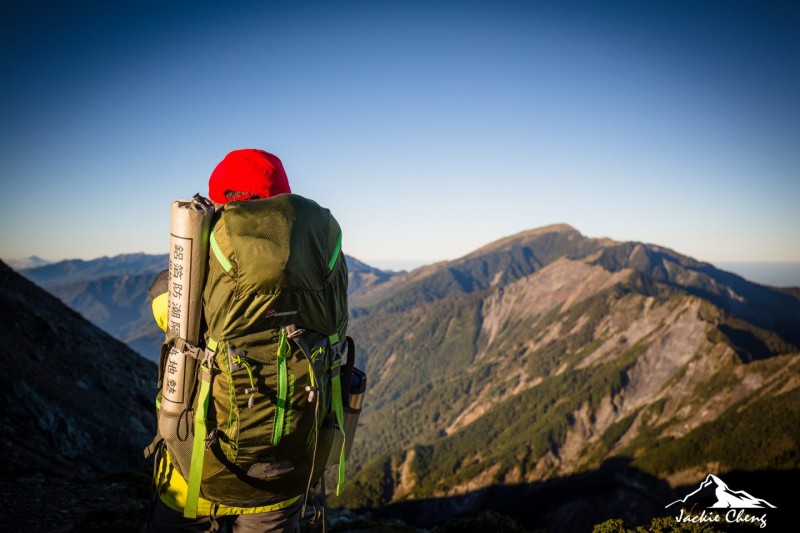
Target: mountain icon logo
(713, 489)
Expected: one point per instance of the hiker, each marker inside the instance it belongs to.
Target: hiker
(253, 200)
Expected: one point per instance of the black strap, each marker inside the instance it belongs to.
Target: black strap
(157, 449)
(151, 448)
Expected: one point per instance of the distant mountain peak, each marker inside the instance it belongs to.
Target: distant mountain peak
(559, 228)
(541, 230)
(33, 261)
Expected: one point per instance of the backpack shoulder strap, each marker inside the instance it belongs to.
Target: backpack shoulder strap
(199, 443)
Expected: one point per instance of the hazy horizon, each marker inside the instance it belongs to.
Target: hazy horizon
(776, 273)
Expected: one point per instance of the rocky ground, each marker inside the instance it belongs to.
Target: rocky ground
(119, 504)
(114, 504)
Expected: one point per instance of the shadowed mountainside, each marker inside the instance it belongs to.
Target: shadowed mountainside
(111, 292)
(77, 400)
(77, 410)
(576, 503)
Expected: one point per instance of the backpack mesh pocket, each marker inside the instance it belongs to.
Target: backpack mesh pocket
(178, 433)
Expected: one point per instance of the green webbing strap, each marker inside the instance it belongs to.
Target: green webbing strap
(226, 265)
(280, 410)
(338, 408)
(336, 251)
(198, 445)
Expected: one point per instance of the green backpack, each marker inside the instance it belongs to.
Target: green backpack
(272, 381)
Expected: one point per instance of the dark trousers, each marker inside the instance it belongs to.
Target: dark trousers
(165, 520)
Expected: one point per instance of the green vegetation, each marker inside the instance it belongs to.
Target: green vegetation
(373, 487)
(616, 431)
(433, 365)
(360, 524)
(759, 436)
(661, 524)
(591, 311)
(597, 453)
(654, 410)
(750, 342)
(517, 432)
(585, 351)
(547, 359)
(518, 333)
(723, 380)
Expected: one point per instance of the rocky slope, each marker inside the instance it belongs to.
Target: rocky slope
(547, 354)
(77, 410)
(600, 377)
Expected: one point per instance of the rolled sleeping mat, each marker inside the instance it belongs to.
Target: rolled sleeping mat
(188, 257)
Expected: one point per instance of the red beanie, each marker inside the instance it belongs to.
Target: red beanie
(247, 173)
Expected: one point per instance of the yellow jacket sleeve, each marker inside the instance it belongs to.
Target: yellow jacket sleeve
(158, 298)
(160, 310)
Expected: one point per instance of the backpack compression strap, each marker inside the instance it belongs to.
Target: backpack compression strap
(338, 359)
(339, 354)
(199, 442)
(280, 409)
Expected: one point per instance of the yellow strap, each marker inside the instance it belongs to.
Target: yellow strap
(338, 408)
(218, 253)
(212, 344)
(198, 445)
(336, 393)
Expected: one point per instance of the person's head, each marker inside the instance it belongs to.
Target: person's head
(247, 174)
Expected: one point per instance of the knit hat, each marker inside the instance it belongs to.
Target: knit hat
(247, 173)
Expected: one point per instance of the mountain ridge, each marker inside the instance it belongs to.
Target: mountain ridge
(76, 270)
(111, 292)
(547, 354)
(615, 349)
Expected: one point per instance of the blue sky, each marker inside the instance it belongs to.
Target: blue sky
(428, 128)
